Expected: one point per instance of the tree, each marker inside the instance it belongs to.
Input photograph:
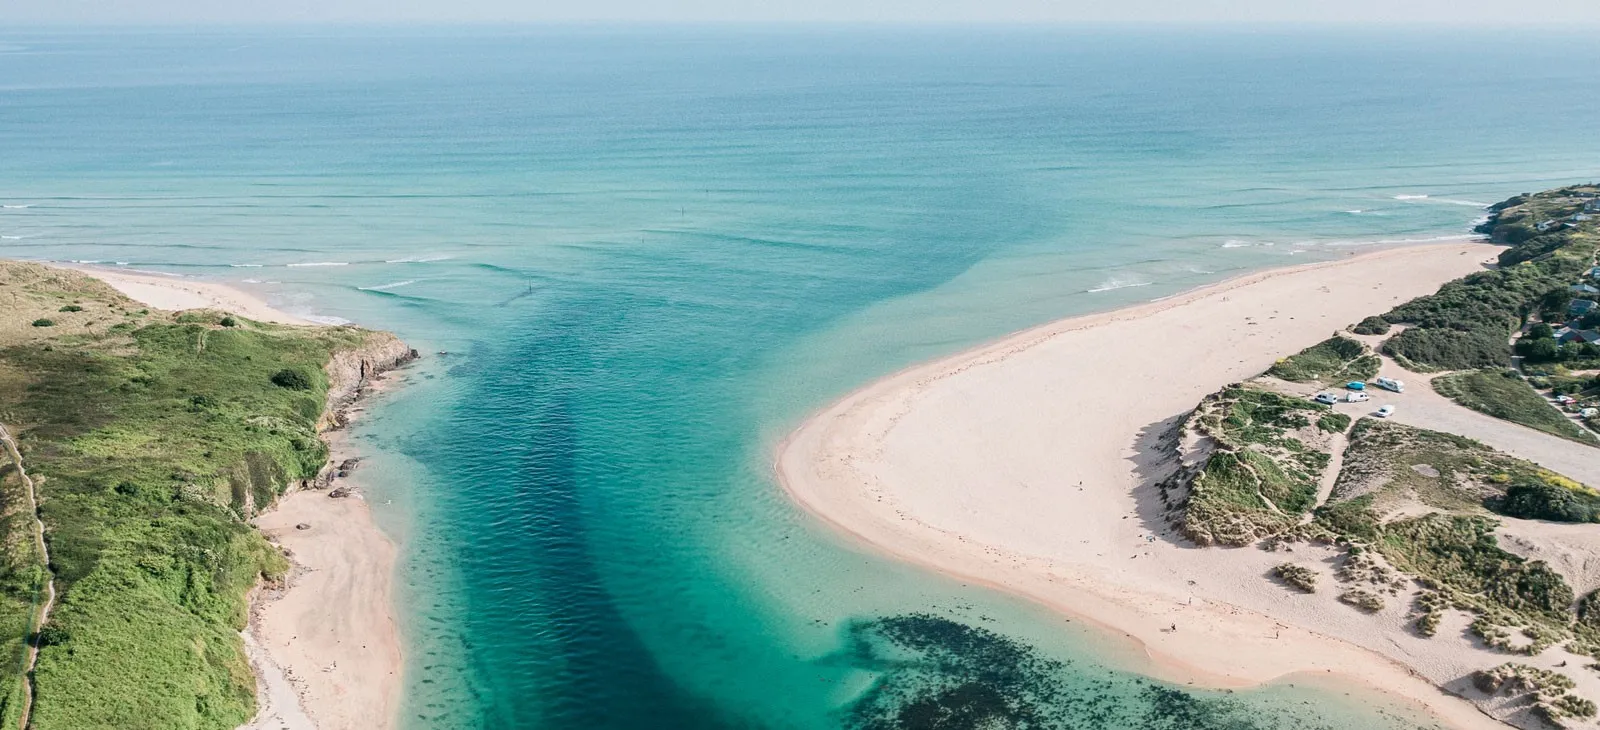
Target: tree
(1541, 350)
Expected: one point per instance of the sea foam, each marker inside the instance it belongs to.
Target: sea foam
(386, 287)
(1117, 282)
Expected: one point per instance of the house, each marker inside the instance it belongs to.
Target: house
(1594, 273)
(1593, 206)
(1572, 335)
(1580, 307)
(1583, 289)
(1545, 226)
(1579, 217)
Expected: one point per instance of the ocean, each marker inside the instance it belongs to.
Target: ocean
(635, 257)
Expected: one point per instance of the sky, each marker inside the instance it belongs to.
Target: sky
(1374, 12)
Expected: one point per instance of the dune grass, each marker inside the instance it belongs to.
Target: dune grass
(1334, 360)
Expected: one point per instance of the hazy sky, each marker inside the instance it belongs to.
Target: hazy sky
(1585, 12)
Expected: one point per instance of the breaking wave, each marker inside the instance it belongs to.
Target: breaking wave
(386, 287)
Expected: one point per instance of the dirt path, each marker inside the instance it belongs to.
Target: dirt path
(50, 579)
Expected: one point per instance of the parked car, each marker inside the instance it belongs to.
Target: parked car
(1326, 399)
(1356, 385)
(1391, 384)
(1356, 397)
(1385, 412)
(1565, 399)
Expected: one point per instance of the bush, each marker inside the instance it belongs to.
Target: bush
(1371, 326)
(1362, 599)
(1543, 349)
(1533, 499)
(292, 379)
(43, 323)
(70, 308)
(228, 322)
(1302, 578)
(1333, 423)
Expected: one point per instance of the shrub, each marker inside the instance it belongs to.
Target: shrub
(1302, 578)
(1362, 599)
(292, 378)
(228, 322)
(70, 308)
(1371, 326)
(1532, 499)
(43, 323)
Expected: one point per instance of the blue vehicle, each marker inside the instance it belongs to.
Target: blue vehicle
(1356, 385)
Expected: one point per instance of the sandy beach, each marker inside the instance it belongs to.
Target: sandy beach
(1026, 464)
(325, 644)
(176, 293)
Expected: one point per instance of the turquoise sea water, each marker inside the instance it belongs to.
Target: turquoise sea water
(649, 252)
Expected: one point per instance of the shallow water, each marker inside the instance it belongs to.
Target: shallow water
(649, 252)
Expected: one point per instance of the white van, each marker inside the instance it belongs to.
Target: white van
(1390, 384)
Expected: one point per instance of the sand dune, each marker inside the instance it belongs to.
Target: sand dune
(1026, 464)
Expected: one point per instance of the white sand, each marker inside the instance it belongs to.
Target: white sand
(326, 649)
(177, 293)
(332, 633)
(1026, 465)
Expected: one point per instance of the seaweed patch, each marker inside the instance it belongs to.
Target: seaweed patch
(940, 674)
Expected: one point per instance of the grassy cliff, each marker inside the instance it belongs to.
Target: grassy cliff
(152, 438)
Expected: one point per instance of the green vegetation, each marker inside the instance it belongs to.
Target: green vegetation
(41, 322)
(1371, 326)
(1262, 477)
(1552, 498)
(1333, 422)
(1299, 576)
(1504, 394)
(1460, 552)
(70, 308)
(292, 378)
(151, 438)
(1548, 692)
(1538, 346)
(1469, 322)
(1363, 599)
(1334, 360)
(1392, 472)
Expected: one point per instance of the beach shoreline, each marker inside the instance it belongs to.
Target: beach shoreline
(851, 464)
(323, 643)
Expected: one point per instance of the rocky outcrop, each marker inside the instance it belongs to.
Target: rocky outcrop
(350, 371)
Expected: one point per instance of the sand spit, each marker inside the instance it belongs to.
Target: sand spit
(1027, 464)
